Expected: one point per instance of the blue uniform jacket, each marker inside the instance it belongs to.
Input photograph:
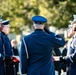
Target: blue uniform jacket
(39, 47)
(71, 57)
(7, 46)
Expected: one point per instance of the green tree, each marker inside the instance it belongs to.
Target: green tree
(58, 12)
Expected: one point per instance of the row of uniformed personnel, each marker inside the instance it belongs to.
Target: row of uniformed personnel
(7, 60)
(70, 58)
(36, 50)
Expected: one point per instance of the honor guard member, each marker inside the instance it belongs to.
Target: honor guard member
(36, 49)
(6, 67)
(70, 59)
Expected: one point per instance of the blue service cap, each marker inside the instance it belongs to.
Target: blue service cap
(39, 19)
(6, 22)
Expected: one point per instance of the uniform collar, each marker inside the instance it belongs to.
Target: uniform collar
(38, 30)
(3, 33)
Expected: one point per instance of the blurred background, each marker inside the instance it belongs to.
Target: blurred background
(19, 12)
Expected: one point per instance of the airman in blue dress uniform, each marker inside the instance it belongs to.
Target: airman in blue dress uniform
(70, 59)
(39, 45)
(6, 68)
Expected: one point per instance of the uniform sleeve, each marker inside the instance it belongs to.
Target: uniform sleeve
(23, 58)
(59, 41)
(72, 57)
